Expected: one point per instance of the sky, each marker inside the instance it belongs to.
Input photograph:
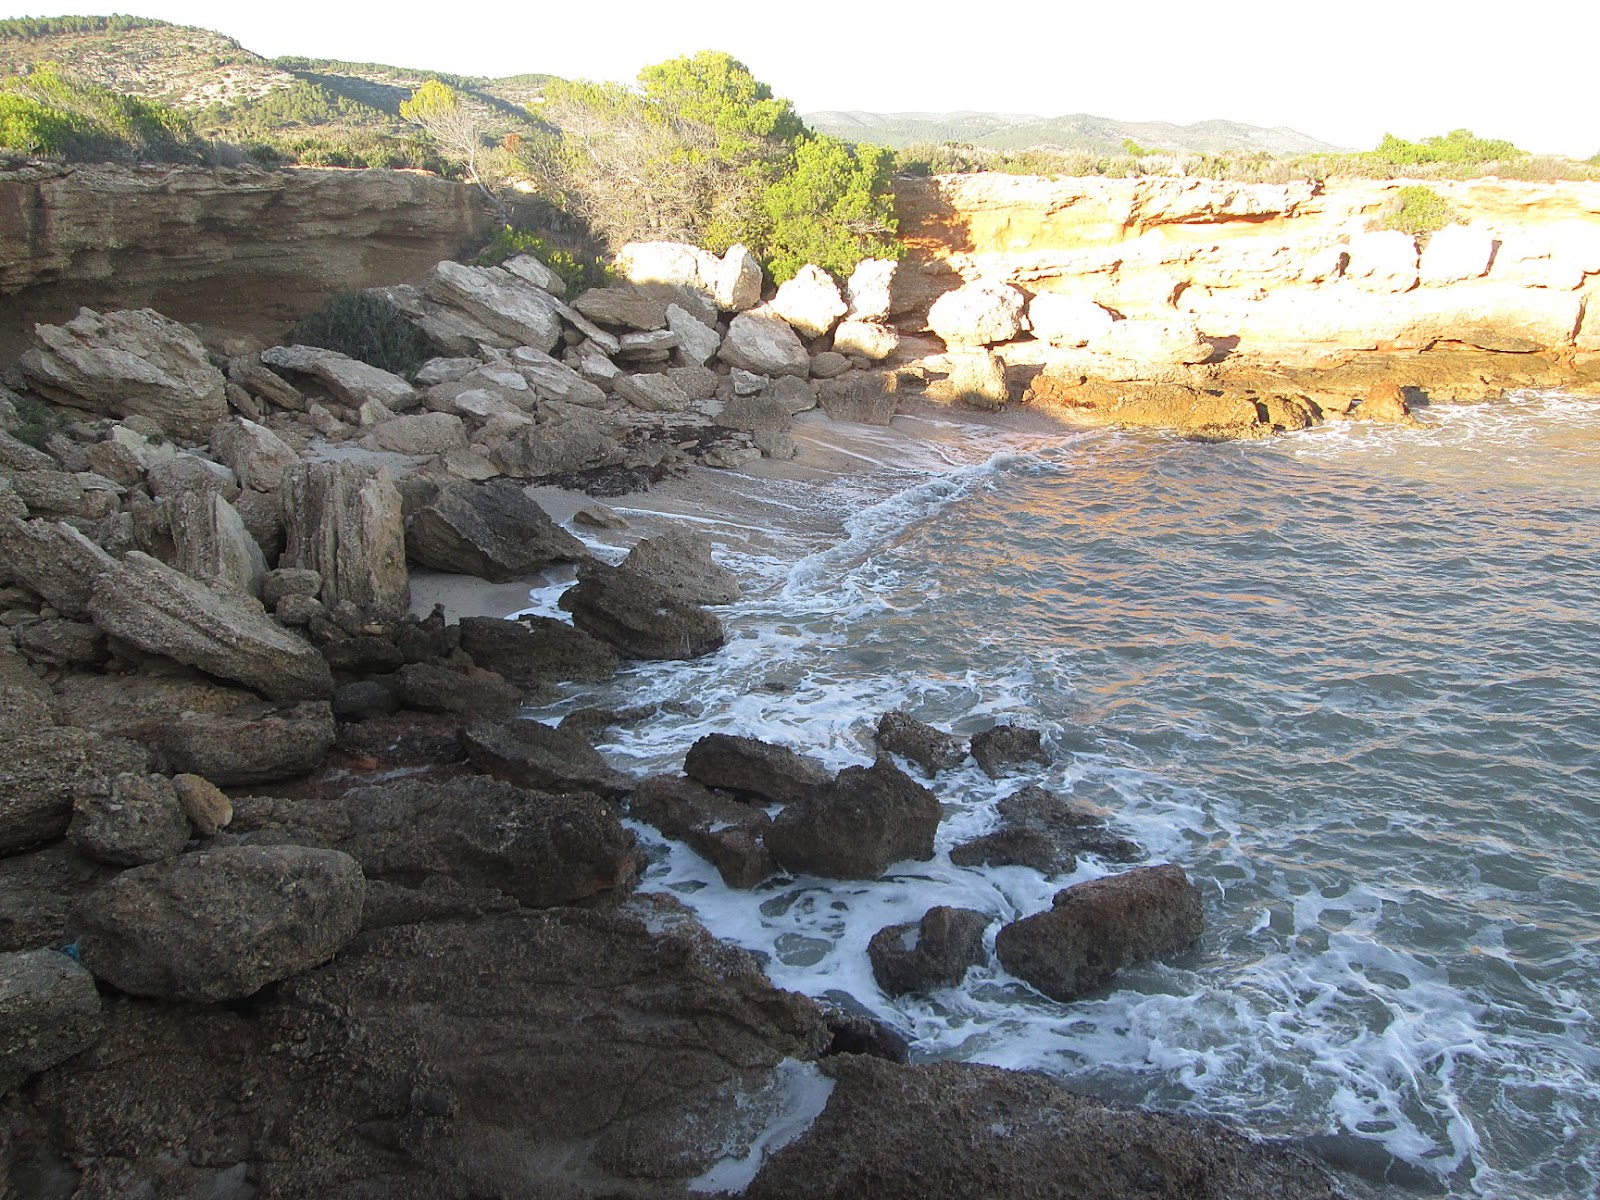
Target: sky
(1345, 73)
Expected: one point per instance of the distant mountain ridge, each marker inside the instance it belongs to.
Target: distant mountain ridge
(1075, 131)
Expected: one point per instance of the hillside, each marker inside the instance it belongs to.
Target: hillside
(1077, 131)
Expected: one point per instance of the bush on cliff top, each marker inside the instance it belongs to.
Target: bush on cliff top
(365, 326)
(1422, 212)
(46, 114)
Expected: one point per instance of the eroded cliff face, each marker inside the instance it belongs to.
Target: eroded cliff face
(242, 250)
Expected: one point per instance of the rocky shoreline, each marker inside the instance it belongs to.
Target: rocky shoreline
(294, 903)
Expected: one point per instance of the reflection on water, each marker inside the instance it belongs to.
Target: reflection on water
(1347, 679)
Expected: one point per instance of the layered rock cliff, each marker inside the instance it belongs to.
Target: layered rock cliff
(239, 249)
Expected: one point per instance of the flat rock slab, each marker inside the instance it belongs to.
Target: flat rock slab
(257, 743)
(640, 619)
(222, 631)
(543, 757)
(219, 924)
(1095, 929)
(492, 530)
(952, 1131)
(351, 381)
(537, 650)
(751, 767)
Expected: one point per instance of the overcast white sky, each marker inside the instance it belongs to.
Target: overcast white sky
(1345, 72)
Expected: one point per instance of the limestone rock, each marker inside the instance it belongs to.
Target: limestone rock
(422, 434)
(49, 1011)
(652, 393)
(870, 818)
(764, 345)
(491, 530)
(750, 767)
(1383, 261)
(530, 270)
(265, 385)
(1095, 929)
(870, 289)
(37, 888)
(626, 307)
(429, 687)
(865, 339)
(1149, 345)
(697, 342)
(755, 413)
(639, 619)
(213, 544)
(44, 773)
(933, 953)
(641, 347)
(58, 643)
(724, 832)
(976, 378)
(257, 456)
(54, 560)
(445, 370)
(810, 302)
(256, 743)
(219, 924)
(738, 280)
(343, 520)
(674, 263)
(127, 363)
(1456, 253)
(1385, 402)
(931, 749)
(862, 397)
(140, 821)
(25, 699)
(697, 383)
(555, 447)
(796, 395)
(554, 380)
(207, 806)
(828, 365)
(1064, 320)
(163, 611)
(352, 382)
(501, 302)
(480, 832)
(979, 314)
(679, 562)
(537, 650)
(541, 757)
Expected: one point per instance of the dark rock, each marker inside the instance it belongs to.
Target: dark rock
(44, 773)
(428, 639)
(144, 706)
(861, 1033)
(37, 889)
(724, 832)
(593, 722)
(257, 743)
(752, 767)
(1097, 928)
(219, 924)
(537, 650)
(205, 804)
(62, 643)
(931, 749)
(1046, 832)
(492, 530)
(49, 1011)
(870, 818)
(863, 400)
(952, 1131)
(429, 688)
(543, 850)
(139, 822)
(639, 619)
(364, 654)
(1016, 846)
(365, 699)
(436, 898)
(932, 953)
(1005, 746)
(25, 699)
(289, 581)
(541, 757)
(405, 739)
(225, 633)
(679, 562)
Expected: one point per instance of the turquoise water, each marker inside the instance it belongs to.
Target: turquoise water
(1348, 679)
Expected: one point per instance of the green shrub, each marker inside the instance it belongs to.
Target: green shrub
(46, 113)
(36, 421)
(1422, 212)
(833, 209)
(579, 272)
(1459, 146)
(365, 326)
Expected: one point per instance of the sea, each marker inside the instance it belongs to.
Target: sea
(1348, 679)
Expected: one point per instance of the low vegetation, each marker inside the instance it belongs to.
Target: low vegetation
(579, 271)
(365, 326)
(1421, 212)
(45, 114)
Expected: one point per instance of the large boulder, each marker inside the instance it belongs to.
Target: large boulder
(1455, 254)
(350, 381)
(865, 339)
(679, 562)
(1095, 929)
(1067, 320)
(220, 630)
(1148, 348)
(530, 270)
(810, 302)
(870, 818)
(625, 307)
(499, 301)
(537, 650)
(140, 821)
(542, 757)
(652, 393)
(765, 345)
(256, 743)
(344, 521)
(640, 619)
(257, 456)
(420, 434)
(476, 831)
(979, 314)
(870, 290)
(976, 378)
(738, 280)
(1383, 260)
(931, 749)
(49, 1010)
(213, 545)
(676, 264)
(952, 1131)
(931, 953)
(554, 380)
(46, 772)
(492, 530)
(697, 342)
(555, 447)
(725, 832)
(435, 688)
(750, 767)
(219, 924)
(130, 363)
(54, 560)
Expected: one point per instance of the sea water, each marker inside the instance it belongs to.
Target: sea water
(1348, 679)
